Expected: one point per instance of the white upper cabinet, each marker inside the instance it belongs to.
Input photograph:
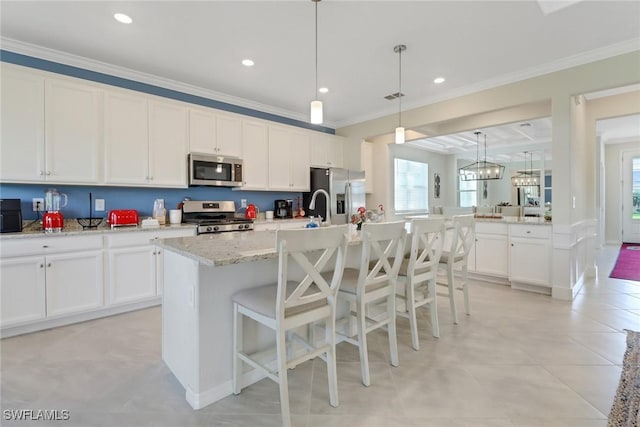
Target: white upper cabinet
(326, 150)
(255, 146)
(300, 174)
(145, 141)
(229, 135)
(22, 130)
(126, 138)
(211, 133)
(288, 159)
(279, 158)
(51, 129)
(168, 131)
(73, 132)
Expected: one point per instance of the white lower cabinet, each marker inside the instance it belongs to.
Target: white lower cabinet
(132, 274)
(530, 255)
(56, 280)
(134, 271)
(22, 290)
(74, 282)
(492, 249)
(48, 277)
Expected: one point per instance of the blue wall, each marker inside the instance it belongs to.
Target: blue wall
(140, 199)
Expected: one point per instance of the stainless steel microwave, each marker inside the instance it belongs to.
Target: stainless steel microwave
(218, 171)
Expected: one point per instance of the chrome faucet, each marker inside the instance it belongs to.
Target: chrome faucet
(312, 204)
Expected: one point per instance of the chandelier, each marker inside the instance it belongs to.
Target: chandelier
(481, 170)
(527, 178)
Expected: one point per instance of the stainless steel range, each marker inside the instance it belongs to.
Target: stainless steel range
(214, 216)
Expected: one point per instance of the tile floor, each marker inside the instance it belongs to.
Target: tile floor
(520, 360)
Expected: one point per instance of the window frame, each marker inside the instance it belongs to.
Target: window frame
(419, 210)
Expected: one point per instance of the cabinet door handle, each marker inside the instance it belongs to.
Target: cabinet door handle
(512, 244)
(48, 172)
(41, 173)
(45, 246)
(159, 252)
(41, 265)
(528, 231)
(49, 265)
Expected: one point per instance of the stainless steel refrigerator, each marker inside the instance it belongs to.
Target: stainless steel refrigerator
(346, 189)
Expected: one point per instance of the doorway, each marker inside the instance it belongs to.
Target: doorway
(631, 196)
(618, 140)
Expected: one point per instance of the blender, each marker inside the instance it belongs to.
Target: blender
(52, 220)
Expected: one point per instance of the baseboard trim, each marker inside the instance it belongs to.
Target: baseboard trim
(39, 325)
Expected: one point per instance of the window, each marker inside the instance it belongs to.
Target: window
(468, 193)
(411, 186)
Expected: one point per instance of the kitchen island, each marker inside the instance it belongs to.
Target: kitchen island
(201, 274)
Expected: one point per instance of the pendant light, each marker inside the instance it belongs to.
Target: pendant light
(400, 130)
(481, 170)
(316, 104)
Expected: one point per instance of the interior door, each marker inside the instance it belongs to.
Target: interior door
(631, 196)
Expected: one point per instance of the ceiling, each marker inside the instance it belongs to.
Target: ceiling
(504, 142)
(473, 44)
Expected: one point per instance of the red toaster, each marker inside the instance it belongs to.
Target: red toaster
(123, 217)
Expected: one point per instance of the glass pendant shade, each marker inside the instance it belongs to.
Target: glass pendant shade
(399, 135)
(316, 112)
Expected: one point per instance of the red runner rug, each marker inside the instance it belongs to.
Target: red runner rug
(628, 263)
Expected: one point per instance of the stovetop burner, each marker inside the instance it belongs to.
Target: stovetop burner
(214, 216)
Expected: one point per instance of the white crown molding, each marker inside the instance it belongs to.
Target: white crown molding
(126, 73)
(550, 67)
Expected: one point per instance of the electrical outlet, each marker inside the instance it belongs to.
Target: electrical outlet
(38, 204)
(99, 205)
(243, 203)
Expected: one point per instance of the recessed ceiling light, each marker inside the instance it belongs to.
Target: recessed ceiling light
(247, 63)
(438, 80)
(121, 17)
(323, 90)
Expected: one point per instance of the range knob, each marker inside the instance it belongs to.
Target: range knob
(240, 227)
(247, 226)
(209, 229)
(216, 228)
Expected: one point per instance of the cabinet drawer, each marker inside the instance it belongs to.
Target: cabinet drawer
(140, 238)
(492, 228)
(48, 245)
(533, 231)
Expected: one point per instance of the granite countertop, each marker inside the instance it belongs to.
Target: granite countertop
(303, 219)
(33, 229)
(220, 249)
(500, 220)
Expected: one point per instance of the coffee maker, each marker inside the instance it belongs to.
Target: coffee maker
(283, 209)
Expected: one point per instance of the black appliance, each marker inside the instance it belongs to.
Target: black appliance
(283, 209)
(214, 216)
(10, 216)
